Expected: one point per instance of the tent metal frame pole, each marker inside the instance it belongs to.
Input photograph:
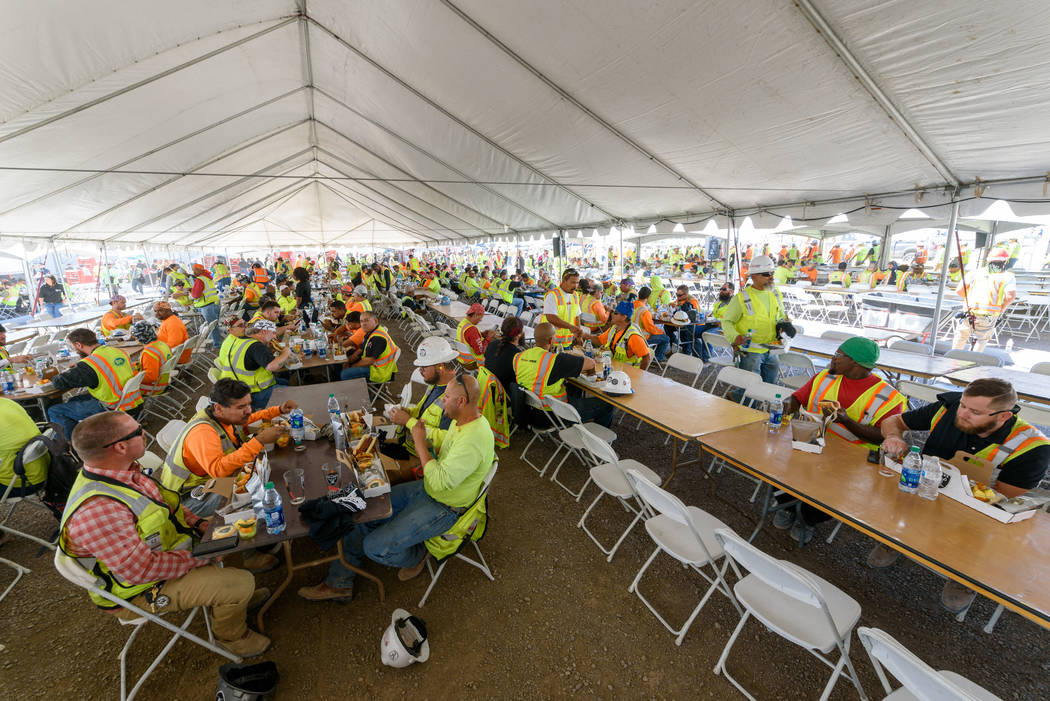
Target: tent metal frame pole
(149, 264)
(408, 214)
(953, 220)
(280, 194)
(30, 291)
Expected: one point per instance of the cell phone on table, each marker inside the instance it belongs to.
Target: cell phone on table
(873, 457)
(211, 547)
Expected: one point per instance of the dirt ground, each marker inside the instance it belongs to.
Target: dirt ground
(557, 622)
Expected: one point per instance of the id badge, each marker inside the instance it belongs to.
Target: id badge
(153, 541)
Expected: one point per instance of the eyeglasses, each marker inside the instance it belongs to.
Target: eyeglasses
(134, 434)
(763, 274)
(459, 378)
(970, 411)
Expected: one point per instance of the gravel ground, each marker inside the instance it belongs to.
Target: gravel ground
(557, 622)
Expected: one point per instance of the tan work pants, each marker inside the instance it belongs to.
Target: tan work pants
(226, 590)
(982, 330)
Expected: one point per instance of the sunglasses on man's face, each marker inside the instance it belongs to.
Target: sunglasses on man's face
(131, 436)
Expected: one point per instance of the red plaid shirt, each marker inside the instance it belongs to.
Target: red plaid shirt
(104, 528)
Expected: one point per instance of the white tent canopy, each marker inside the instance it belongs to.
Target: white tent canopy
(321, 122)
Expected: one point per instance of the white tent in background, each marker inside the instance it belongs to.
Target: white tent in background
(321, 122)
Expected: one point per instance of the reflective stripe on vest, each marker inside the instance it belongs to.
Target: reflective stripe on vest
(470, 357)
(210, 295)
(568, 311)
(162, 527)
(618, 345)
(174, 474)
(159, 351)
(870, 407)
(257, 380)
(492, 404)
(113, 369)
(750, 320)
(384, 367)
(534, 366)
(1022, 438)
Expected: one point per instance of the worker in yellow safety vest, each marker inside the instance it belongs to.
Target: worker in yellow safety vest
(988, 296)
(561, 309)
(376, 359)
(435, 359)
(751, 318)
(251, 360)
(472, 339)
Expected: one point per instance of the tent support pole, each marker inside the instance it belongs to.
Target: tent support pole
(988, 245)
(149, 264)
(31, 291)
(953, 220)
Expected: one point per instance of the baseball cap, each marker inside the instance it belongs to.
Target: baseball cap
(627, 281)
(625, 308)
(476, 309)
(863, 351)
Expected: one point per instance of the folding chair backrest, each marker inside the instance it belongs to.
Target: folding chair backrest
(657, 498)
(1034, 414)
(685, 363)
(533, 400)
(526, 319)
(202, 402)
(975, 357)
(445, 329)
(735, 377)
(1041, 369)
(922, 680)
(71, 570)
(406, 393)
(770, 570)
(132, 385)
(167, 435)
(564, 411)
(837, 335)
(716, 339)
(601, 451)
(488, 477)
(790, 359)
(45, 349)
(916, 390)
(910, 347)
(763, 392)
(190, 342)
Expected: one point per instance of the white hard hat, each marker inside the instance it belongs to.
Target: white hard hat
(361, 291)
(619, 382)
(404, 641)
(680, 318)
(433, 350)
(761, 264)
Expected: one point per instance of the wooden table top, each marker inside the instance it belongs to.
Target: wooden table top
(897, 362)
(1029, 385)
(1009, 563)
(313, 400)
(673, 407)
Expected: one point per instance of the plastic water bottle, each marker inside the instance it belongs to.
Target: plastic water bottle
(930, 481)
(8, 381)
(322, 350)
(776, 414)
(1010, 345)
(588, 348)
(273, 512)
(910, 471)
(295, 419)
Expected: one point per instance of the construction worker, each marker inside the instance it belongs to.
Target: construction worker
(286, 301)
(543, 372)
(859, 401)
(870, 276)
(782, 275)
(271, 311)
(103, 371)
(474, 339)
(954, 272)
(375, 358)
(987, 297)
(435, 359)
(561, 309)
(151, 361)
(840, 276)
(1014, 253)
(259, 275)
(253, 293)
(205, 296)
(172, 330)
(659, 295)
(251, 360)
(624, 340)
(591, 303)
(220, 272)
(751, 320)
(627, 293)
(115, 318)
(836, 254)
(359, 300)
(642, 319)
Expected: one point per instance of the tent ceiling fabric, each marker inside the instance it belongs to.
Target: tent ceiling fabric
(324, 122)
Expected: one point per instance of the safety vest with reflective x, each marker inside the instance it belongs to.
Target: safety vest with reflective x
(1022, 438)
(233, 366)
(113, 369)
(532, 369)
(174, 474)
(868, 409)
(161, 526)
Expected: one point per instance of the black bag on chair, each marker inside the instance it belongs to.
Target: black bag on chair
(63, 471)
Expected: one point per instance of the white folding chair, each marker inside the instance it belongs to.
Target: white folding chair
(920, 680)
(167, 435)
(795, 369)
(502, 310)
(686, 533)
(36, 342)
(34, 451)
(975, 357)
(537, 405)
(480, 562)
(570, 428)
(683, 362)
(1041, 368)
(381, 390)
(735, 378)
(609, 475)
(795, 604)
(75, 573)
(916, 391)
(132, 386)
(721, 352)
(910, 347)
(837, 335)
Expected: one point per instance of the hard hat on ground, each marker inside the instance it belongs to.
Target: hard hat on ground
(247, 682)
(404, 641)
(432, 351)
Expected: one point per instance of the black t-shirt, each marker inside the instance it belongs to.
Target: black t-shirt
(566, 365)
(302, 291)
(499, 360)
(374, 346)
(1024, 471)
(257, 356)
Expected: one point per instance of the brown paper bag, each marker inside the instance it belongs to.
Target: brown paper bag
(804, 430)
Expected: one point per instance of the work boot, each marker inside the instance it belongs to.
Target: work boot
(801, 532)
(323, 592)
(783, 518)
(407, 573)
(248, 645)
(955, 597)
(258, 563)
(260, 595)
(882, 557)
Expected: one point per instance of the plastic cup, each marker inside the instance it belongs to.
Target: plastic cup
(332, 472)
(294, 482)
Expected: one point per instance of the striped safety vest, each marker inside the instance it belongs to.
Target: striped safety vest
(492, 404)
(1022, 438)
(868, 409)
(160, 352)
(384, 367)
(532, 369)
(113, 369)
(467, 357)
(174, 474)
(233, 366)
(618, 345)
(568, 311)
(210, 295)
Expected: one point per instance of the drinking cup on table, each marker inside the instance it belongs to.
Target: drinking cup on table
(332, 472)
(294, 482)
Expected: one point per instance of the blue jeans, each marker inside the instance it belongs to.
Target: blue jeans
(261, 399)
(396, 541)
(517, 303)
(55, 310)
(765, 364)
(222, 283)
(662, 343)
(700, 347)
(203, 508)
(353, 373)
(72, 411)
(210, 312)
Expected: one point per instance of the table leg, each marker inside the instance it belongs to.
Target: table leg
(674, 461)
(289, 568)
(366, 575)
(768, 490)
